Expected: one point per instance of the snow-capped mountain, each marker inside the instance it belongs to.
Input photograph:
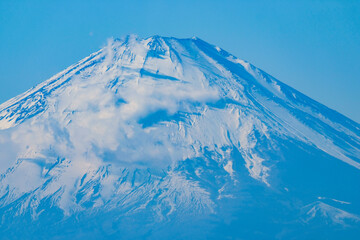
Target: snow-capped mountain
(165, 138)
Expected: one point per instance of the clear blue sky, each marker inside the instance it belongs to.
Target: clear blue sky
(311, 45)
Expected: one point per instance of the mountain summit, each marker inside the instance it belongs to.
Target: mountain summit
(166, 138)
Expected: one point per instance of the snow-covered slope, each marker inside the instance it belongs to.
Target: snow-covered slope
(174, 138)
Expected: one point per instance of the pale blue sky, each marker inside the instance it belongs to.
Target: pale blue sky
(311, 45)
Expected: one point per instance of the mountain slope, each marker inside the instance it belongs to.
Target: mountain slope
(164, 137)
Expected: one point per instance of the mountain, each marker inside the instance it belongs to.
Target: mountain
(166, 138)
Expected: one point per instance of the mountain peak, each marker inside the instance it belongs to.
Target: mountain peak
(162, 128)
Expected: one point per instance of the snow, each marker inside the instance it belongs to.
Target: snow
(164, 126)
(337, 216)
(229, 169)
